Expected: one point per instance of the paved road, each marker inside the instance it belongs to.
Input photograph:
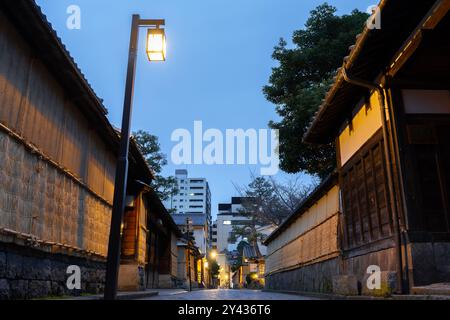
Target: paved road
(224, 295)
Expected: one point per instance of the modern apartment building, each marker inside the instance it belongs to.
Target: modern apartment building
(214, 236)
(193, 200)
(194, 195)
(229, 214)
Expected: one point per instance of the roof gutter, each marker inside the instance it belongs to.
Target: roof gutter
(401, 284)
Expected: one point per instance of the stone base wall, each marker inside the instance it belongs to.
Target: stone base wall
(357, 266)
(341, 275)
(312, 278)
(429, 263)
(167, 281)
(27, 273)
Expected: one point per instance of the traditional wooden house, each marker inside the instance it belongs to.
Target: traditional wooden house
(58, 157)
(189, 272)
(149, 257)
(253, 267)
(389, 114)
(198, 231)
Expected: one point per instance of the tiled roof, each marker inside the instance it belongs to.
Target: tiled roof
(304, 205)
(33, 25)
(198, 219)
(371, 54)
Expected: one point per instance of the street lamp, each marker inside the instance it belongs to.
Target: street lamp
(188, 231)
(157, 40)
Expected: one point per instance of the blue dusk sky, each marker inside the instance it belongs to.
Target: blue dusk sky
(218, 60)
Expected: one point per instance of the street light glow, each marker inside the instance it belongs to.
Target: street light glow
(156, 45)
(213, 254)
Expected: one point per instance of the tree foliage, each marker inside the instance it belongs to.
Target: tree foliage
(238, 263)
(267, 202)
(300, 81)
(151, 149)
(215, 268)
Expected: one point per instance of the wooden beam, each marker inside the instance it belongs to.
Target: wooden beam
(430, 21)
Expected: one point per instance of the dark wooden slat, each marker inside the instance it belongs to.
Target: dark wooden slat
(388, 200)
(366, 191)
(358, 203)
(380, 227)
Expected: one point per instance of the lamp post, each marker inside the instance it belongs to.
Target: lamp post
(156, 51)
(188, 231)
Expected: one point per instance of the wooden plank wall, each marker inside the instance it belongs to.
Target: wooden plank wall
(144, 211)
(129, 236)
(38, 199)
(174, 253)
(33, 105)
(312, 238)
(72, 210)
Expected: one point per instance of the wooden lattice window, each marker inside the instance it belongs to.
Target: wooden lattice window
(365, 196)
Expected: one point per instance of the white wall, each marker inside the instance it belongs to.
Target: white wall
(224, 230)
(200, 236)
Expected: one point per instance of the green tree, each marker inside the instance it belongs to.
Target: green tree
(215, 268)
(266, 202)
(238, 262)
(269, 202)
(149, 145)
(300, 81)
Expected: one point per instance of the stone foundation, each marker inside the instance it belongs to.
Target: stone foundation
(342, 276)
(27, 273)
(167, 281)
(429, 262)
(312, 278)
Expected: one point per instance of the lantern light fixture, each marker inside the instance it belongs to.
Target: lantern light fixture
(156, 44)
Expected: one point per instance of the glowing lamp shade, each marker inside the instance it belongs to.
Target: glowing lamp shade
(156, 45)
